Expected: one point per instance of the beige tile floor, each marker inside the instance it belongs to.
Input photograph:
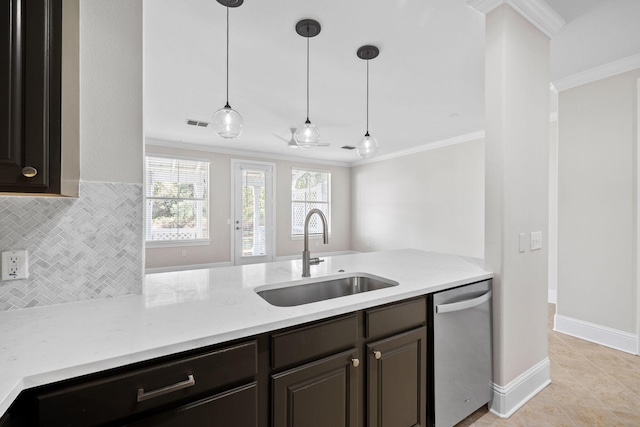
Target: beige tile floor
(591, 385)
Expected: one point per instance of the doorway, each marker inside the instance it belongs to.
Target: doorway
(252, 207)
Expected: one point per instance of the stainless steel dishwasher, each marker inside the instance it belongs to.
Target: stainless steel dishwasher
(461, 368)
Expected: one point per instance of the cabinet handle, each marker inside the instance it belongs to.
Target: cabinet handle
(376, 354)
(142, 395)
(355, 362)
(29, 171)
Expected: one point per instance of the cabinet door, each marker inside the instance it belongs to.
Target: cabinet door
(397, 380)
(319, 394)
(235, 408)
(30, 63)
(5, 421)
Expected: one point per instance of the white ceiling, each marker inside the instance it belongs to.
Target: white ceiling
(427, 85)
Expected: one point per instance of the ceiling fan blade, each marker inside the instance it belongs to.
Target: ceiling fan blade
(279, 137)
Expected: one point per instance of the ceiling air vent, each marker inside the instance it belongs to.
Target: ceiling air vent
(348, 147)
(197, 123)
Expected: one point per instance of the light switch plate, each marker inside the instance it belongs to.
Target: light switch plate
(15, 265)
(522, 241)
(536, 240)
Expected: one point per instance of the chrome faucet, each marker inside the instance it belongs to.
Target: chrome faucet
(307, 261)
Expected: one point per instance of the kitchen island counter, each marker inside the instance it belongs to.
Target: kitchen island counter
(186, 310)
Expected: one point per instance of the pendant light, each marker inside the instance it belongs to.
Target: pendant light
(307, 135)
(227, 122)
(368, 146)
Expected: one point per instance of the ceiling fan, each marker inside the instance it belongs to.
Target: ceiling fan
(291, 143)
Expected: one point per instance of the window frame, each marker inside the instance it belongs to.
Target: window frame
(328, 202)
(207, 202)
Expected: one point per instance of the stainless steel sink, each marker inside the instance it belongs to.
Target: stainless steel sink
(305, 293)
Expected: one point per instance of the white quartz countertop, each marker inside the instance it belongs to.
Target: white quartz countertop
(185, 310)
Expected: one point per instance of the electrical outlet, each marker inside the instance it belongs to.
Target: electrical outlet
(15, 265)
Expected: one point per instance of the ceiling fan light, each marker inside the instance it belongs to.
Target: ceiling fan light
(227, 122)
(367, 147)
(307, 135)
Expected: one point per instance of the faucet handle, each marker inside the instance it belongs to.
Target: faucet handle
(315, 261)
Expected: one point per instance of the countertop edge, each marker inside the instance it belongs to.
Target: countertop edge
(49, 377)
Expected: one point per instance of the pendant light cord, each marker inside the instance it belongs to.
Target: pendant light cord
(307, 74)
(367, 97)
(227, 105)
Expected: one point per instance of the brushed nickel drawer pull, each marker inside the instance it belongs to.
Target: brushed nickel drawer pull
(142, 395)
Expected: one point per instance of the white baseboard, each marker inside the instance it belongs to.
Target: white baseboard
(619, 340)
(186, 267)
(553, 296)
(508, 399)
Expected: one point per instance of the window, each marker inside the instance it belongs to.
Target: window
(309, 189)
(177, 194)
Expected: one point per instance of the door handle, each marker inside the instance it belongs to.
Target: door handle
(463, 305)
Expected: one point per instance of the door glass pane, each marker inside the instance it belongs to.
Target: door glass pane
(253, 212)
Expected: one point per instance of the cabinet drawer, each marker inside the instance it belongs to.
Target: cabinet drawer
(311, 342)
(234, 408)
(395, 318)
(119, 396)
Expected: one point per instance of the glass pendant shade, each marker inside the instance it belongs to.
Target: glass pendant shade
(367, 147)
(307, 135)
(227, 122)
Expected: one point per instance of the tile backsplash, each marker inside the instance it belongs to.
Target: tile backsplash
(79, 249)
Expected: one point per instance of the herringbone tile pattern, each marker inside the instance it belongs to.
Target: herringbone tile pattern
(79, 249)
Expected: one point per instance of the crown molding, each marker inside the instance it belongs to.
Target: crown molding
(425, 147)
(597, 73)
(537, 12)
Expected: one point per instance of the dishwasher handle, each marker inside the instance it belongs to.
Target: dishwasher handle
(463, 305)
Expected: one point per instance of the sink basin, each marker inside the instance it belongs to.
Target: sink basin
(329, 288)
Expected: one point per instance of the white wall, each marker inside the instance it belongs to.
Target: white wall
(517, 201)
(433, 200)
(553, 211)
(219, 250)
(597, 199)
(111, 122)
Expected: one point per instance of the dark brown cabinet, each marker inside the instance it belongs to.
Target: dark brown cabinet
(395, 345)
(167, 393)
(363, 369)
(5, 421)
(314, 381)
(30, 95)
(318, 394)
(396, 380)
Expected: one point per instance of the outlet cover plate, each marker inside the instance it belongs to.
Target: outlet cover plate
(15, 265)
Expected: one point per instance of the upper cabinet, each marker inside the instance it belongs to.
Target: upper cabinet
(31, 92)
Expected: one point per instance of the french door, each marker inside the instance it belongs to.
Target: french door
(253, 212)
